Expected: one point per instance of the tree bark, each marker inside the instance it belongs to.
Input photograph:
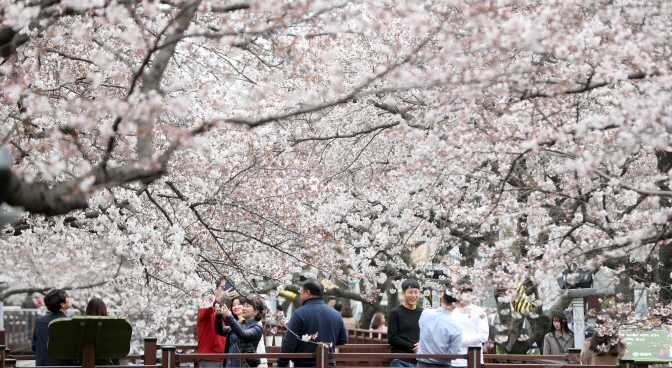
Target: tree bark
(39, 198)
(665, 272)
(155, 73)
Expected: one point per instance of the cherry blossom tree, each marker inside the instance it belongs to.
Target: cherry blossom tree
(158, 145)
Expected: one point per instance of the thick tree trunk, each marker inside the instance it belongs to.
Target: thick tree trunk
(623, 287)
(664, 278)
(469, 252)
(367, 316)
(665, 272)
(539, 327)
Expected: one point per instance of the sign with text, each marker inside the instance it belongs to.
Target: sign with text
(651, 346)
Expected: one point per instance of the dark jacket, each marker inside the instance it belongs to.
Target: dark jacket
(314, 316)
(40, 340)
(248, 335)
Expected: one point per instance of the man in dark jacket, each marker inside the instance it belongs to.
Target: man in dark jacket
(57, 302)
(313, 317)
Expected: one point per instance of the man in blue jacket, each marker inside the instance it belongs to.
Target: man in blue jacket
(313, 317)
(57, 302)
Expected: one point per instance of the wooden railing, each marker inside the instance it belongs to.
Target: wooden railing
(363, 350)
(19, 326)
(353, 355)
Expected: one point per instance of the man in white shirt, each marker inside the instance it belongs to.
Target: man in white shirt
(472, 319)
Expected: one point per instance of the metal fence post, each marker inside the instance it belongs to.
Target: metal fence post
(474, 356)
(149, 357)
(168, 356)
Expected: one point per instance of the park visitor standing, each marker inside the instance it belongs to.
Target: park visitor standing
(241, 337)
(403, 331)
(606, 346)
(208, 341)
(313, 317)
(439, 333)
(560, 339)
(472, 319)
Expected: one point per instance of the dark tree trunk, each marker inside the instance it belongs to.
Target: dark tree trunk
(367, 316)
(665, 271)
(469, 252)
(623, 287)
(664, 278)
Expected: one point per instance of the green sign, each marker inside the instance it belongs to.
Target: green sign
(650, 346)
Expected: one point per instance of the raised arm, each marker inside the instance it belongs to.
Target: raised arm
(205, 313)
(250, 334)
(219, 327)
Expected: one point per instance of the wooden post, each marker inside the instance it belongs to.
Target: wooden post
(321, 356)
(2, 337)
(574, 356)
(326, 356)
(627, 363)
(474, 356)
(168, 356)
(89, 355)
(2, 356)
(318, 357)
(150, 351)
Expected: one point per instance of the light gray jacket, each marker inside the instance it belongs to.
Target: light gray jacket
(551, 346)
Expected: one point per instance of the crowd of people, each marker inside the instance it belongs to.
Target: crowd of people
(232, 324)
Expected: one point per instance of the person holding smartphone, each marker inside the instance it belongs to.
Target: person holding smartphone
(208, 341)
(241, 337)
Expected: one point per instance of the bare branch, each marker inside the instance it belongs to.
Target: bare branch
(660, 193)
(230, 7)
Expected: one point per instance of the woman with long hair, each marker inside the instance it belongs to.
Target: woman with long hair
(97, 307)
(605, 347)
(378, 323)
(560, 338)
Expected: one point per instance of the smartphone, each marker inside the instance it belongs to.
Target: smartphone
(228, 286)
